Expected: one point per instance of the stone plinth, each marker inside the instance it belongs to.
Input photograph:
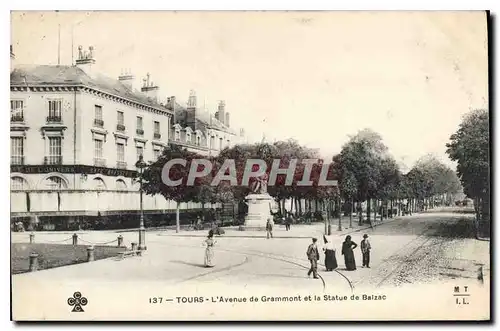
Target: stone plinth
(259, 210)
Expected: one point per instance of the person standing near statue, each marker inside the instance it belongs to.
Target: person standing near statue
(347, 250)
(313, 256)
(365, 250)
(209, 251)
(269, 228)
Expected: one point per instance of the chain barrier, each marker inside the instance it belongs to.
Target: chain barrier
(95, 244)
(57, 241)
(79, 239)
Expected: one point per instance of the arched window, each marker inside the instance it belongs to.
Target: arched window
(55, 183)
(120, 185)
(18, 183)
(99, 184)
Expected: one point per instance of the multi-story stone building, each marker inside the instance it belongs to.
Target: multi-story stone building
(75, 138)
(198, 130)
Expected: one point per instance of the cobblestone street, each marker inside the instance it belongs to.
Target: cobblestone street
(423, 248)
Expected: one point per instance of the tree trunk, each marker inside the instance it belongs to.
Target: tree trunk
(339, 209)
(352, 211)
(177, 217)
(382, 207)
(368, 210)
(360, 213)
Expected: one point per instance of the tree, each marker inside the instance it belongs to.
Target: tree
(360, 161)
(153, 183)
(470, 148)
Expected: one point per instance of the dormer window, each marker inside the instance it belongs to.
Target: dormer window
(188, 137)
(177, 135)
(198, 140)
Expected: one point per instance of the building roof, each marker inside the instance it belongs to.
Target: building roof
(50, 75)
(203, 117)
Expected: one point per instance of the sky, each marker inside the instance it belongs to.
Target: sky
(317, 77)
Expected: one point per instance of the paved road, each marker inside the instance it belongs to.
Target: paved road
(423, 248)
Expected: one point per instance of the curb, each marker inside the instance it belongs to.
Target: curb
(277, 237)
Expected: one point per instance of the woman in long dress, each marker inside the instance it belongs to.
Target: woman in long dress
(209, 251)
(330, 259)
(347, 250)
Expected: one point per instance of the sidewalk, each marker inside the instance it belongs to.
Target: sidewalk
(92, 237)
(297, 231)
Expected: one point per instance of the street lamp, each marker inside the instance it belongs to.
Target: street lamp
(140, 164)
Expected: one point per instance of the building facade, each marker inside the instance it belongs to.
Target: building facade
(76, 136)
(199, 131)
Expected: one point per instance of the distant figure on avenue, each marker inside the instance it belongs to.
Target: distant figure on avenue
(209, 251)
(313, 256)
(347, 250)
(288, 221)
(269, 228)
(330, 259)
(365, 250)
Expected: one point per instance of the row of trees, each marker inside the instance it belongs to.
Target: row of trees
(364, 169)
(470, 148)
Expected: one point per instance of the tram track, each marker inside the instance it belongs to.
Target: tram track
(265, 255)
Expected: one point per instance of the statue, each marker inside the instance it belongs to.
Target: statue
(80, 52)
(260, 185)
(91, 52)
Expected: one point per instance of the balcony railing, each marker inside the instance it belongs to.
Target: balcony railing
(98, 123)
(98, 162)
(140, 132)
(121, 165)
(17, 160)
(17, 118)
(157, 135)
(53, 159)
(54, 119)
(120, 127)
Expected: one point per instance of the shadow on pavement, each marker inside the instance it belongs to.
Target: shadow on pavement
(462, 228)
(199, 265)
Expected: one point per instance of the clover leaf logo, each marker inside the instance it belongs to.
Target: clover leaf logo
(77, 301)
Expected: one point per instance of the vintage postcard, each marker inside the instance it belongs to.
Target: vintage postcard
(250, 166)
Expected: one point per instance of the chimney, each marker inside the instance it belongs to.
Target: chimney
(127, 78)
(221, 112)
(85, 59)
(149, 88)
(191, 110)
(12, 59)
(192, 99)
(227, 119)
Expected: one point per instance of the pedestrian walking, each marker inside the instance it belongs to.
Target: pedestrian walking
(365, 250)
(313, 256)
(347, 250)
(269, 228)
(288, 221)
(330, 259)
(209, 251)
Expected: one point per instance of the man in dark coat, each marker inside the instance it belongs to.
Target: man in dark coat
(313, 256)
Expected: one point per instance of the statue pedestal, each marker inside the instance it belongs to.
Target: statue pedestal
(259, 210)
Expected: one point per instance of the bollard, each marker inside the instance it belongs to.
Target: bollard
(134, 246)
(75, 239)
(33, 262)
(32, 238)
(120, 241)
(90, 253)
